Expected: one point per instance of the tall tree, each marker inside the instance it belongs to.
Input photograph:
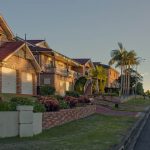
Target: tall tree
(117, 57)
(131, 60)
(125, 60)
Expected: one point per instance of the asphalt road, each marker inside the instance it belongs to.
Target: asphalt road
(143, 142)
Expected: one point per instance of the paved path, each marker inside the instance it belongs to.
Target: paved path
(108, 111)
(143, 142)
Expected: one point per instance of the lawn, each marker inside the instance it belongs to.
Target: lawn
(97, 132)
(135, 105)
(138, 101)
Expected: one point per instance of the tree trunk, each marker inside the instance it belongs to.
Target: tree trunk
(126, 91)
(123, 81)
(97, 84)
(121, 85)
(129, 81)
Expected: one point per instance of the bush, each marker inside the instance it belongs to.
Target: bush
(83, 99)
(46, 90)
(79, 85)
(72, 93)
(6, 106)
(63, 104)
(72, 101)
(37, 107)
(50, 103)
(22, 101)
(58, 97)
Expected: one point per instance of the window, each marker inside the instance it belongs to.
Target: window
(47, 81)
(62, 84)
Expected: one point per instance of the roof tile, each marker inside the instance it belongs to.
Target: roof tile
(9, 47)
(82, 61)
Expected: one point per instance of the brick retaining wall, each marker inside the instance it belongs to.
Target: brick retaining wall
(51, 119)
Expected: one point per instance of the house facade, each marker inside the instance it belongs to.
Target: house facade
(87, 65)
(112, 76)
(18, 67)
(58, 71)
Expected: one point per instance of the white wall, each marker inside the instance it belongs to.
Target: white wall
(9, 124)
(14, 123)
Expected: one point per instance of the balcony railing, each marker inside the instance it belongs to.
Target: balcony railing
(61, 71)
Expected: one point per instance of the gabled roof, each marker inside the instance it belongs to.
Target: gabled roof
(105, 66)
(97, 63)
(82, 61)
(33, 45)
(6, 28)
(39, 49)
(8, 48)
(100, 64)
(35, 41)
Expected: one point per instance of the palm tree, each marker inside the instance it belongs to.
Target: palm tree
(131, 62)
(125, 60)
(117, 56)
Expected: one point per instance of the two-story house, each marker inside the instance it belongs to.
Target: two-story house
(18, 67)
(86, 63)
(112, 76)
(58, 70)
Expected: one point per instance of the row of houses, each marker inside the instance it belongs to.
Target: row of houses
(27, 64)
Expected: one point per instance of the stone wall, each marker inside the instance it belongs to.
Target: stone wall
(51, 119)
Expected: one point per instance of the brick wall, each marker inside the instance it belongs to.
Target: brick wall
(51, 119)
(20, 65)
(0, 79)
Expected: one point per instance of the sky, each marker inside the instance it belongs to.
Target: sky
(84, 28)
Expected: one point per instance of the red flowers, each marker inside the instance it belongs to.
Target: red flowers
(72, 101)
(51, 104)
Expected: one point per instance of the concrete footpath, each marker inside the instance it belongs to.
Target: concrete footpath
(143, 142)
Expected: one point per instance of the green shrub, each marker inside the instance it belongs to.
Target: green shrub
(21, 101)
(6, 106)
(72, 93)
(37, 106)
(79, 85)
(47, 90)
(63, 104)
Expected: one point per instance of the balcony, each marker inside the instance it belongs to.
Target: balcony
(60, 71)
